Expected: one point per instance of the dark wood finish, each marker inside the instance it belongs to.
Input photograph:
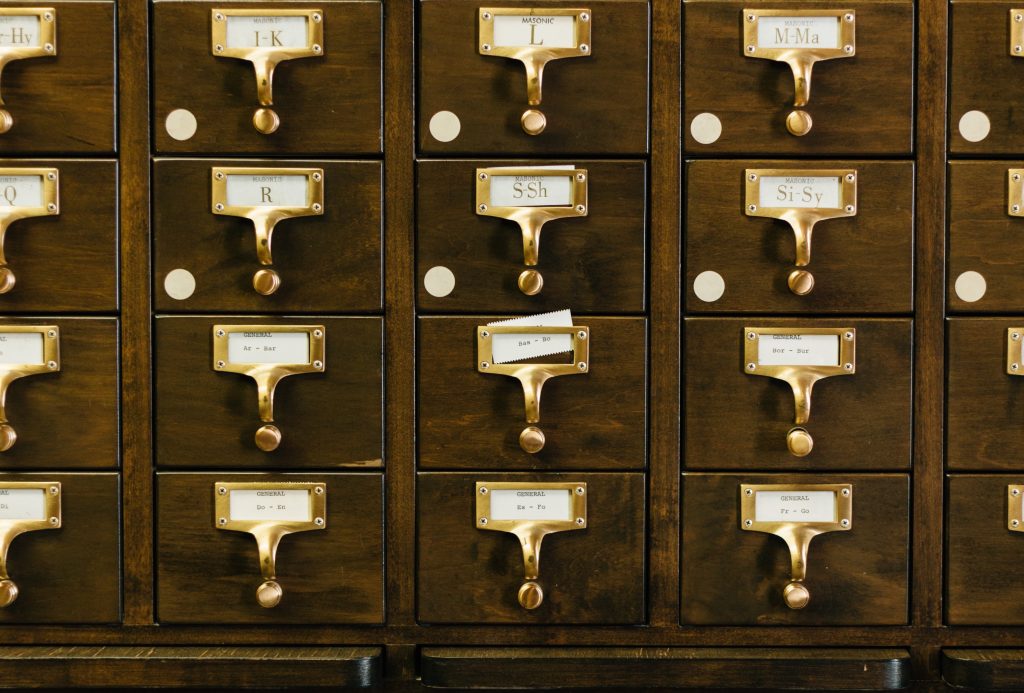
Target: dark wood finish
(208, 575)
(861, 105)
(69, 419)
(596, 104)
(328, 264)
(739, 421)
(327, 104)
(65, 104)
(987, 670)
(861, 264)
(983, 237)
(855, 577)
(467, 575)
(594, 263)
(71, 574)
(67, 262)
(691, 667)
(472, 420)
(208, 419)
(983, 554)
(45, 666)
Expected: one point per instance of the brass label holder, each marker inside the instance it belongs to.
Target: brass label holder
(23, 45)
(531, 532)
(794, 207)
(797, 534)
(268, 374)
(801, 57)
(41, 512)
(49, 335)
(533, 54)
(532, 376)
(264, 217)
(1017, 33)
(531, 219)
(1014, 509)
(801, 377)
(1015, 192)
(268, 532)
(267, 53)
(1014, 355)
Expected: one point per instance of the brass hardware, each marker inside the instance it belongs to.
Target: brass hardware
(45, 46)
(800, 59)
(797, 533)
(533, 54)
(531, 219)
(794, 207)
(1014, 354)
(1014, 509)
(268, 532)
(532, 376)
(799, 442)
(49, 362)
(531, 532)
(13, 522)
(800, 282)
(1015, 196)
(268, 374)
(11, 210)
(1017, 33)
(265, 217)
(265, 58)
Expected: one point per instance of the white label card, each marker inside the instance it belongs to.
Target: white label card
(268, 347)
(802, 192)
(506, 348)
(21, 348)
(531, 191)
(531, 504)
(795, 506)
(22, 504)
(798, 350)
(534, 30)
(270, 504)
(19, 31)
(21, 191)
(798, 32)
(249, 190)
(267, 32)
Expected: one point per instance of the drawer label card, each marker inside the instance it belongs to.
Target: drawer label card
(19, 31)
(262, 190)
(798, 350)
(531, 504)
(268, 347)
(798, 32)
(22, 503)
(513, 30)
(21, 191)
(267, 31)
(801, 192)
(532, 189)
(22, 348)
(795, 506)
(507, 347)
(270, 504)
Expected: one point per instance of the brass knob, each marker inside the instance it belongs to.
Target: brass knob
(531, 282)
(269, 594)
(531, 440)
(266, 121)
(8, 436)
(799, 442)
(6, 280)
(530, 595)
(799, 123)
(533, 121)
(801, 282)
(6, 121)
(268, 438)
(8, 592)
(266, 281)
(796, 595)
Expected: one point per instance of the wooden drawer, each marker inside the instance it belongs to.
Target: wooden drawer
(593, 263)
(594, 574)
(859, 261)
(856, 576)
(329, 261)
(470, 102)
(209, 575)
(592, 420)
(326, 103)
(328, 418)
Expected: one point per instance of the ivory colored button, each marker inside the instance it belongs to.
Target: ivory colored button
(181, 124)
(179, 284)
(706, 128)
(445, 126)
(439, 281)
(709, 286)
(970, 286)
(974, 126)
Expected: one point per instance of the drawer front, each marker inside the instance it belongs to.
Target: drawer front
(591, 575)
(209, 575)
(475, 103)
(64, 103)
(325, 262)
(736, 420)
(736, 577)
(739, 261)
(594, 262)
(474, 420)
(219, 96)
(71, 574)
(736, 104)
(326, 419)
